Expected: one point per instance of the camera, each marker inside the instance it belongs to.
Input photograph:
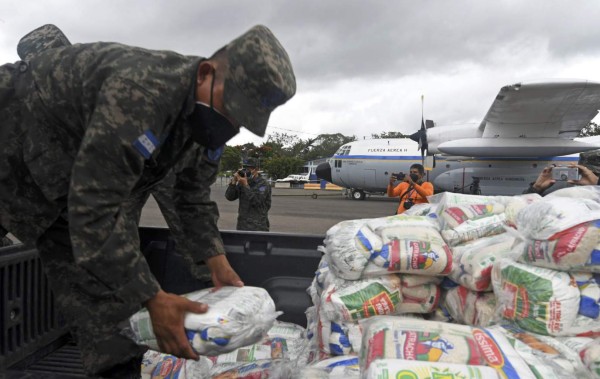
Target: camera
(565, 173)
(244, 172)
(401, 175)
(408, 203)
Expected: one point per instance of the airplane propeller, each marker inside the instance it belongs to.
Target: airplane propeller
(421, 138)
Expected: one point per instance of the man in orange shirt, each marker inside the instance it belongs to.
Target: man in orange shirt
(413, 189)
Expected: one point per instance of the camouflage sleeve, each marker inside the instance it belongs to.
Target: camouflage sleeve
(232, 192)
(197, 229)
(259, 196)
(106, 169)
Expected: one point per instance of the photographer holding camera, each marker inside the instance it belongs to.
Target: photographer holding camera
(255, 197)
(413, 189)
(550, 175)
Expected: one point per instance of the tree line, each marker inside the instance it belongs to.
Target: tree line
(285, 154)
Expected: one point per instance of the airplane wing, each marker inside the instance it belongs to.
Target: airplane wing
(532, 119)
(550, 109)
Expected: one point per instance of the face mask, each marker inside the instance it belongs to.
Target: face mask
(209, 127)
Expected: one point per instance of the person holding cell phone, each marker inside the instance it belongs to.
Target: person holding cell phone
(574, 174)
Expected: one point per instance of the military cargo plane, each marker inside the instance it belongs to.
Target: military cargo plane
(529, 126)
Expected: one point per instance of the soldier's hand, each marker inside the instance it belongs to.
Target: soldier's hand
(167, 312)
(243, 180)
(222, 274)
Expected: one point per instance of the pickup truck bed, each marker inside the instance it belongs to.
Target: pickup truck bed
(34, 342)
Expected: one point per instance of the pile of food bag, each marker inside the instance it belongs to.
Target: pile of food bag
(465, 286)
(471, 286)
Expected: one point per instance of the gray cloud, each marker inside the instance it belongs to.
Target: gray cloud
(361, 66)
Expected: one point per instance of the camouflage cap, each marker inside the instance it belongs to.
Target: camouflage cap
(259, 78)
(250, 162)
(43, 38)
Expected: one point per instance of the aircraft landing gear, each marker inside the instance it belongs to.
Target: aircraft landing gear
(358, 194)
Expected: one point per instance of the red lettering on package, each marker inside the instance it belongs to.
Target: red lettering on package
(378, 305)
(568, 240)
(410, 346)
(488, 347)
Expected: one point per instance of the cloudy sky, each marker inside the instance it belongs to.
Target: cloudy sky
(361, 66)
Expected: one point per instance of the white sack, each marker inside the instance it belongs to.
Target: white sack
(236, 317)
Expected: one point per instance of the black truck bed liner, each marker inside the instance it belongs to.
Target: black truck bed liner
(34, 342)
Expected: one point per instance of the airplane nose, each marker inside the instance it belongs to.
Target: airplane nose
(324, 171)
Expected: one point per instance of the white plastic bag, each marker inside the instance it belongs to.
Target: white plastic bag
(236, 317)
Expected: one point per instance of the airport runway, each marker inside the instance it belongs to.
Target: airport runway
(293, 210)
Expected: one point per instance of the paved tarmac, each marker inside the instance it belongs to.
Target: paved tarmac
(293, 210)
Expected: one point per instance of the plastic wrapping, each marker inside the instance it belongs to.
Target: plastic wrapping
(573, 249)
(343, 367)
(387, 337)
(283, 341)
(472, 262)
(589, 351)
(160, 365)
(542, 219)
(354, 300)
(538, 300)
(236, 317)
(400, 368)
(374, 247)
(547, 357)
(470, 307)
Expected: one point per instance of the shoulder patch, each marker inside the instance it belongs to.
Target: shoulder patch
(262, 188)
(146, 144)
(215, 155)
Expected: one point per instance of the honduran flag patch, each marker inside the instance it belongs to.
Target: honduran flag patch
(146, 144)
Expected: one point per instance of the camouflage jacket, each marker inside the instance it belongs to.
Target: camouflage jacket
(177, 210)
(86, 128)
(255, 202)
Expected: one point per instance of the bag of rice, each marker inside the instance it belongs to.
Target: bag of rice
(344, 367)
(400, 368)
(343, 256)
(573, 249)
(589, 305)
(408, 244)
(538, 300)
(547, 357)
(354, 300)
(389, 337)
(470, 307)
(262, 369)
(456, 215)
(160, 365)
(473, 261)
(474, 229)
(409, 280)
(236, 317)
(283, 341)
(589, 351)
(419, 299)
(542, 219)
(578, 192)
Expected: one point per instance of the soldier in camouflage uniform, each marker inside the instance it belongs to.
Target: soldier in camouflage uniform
(87, 129)
(255, 198)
